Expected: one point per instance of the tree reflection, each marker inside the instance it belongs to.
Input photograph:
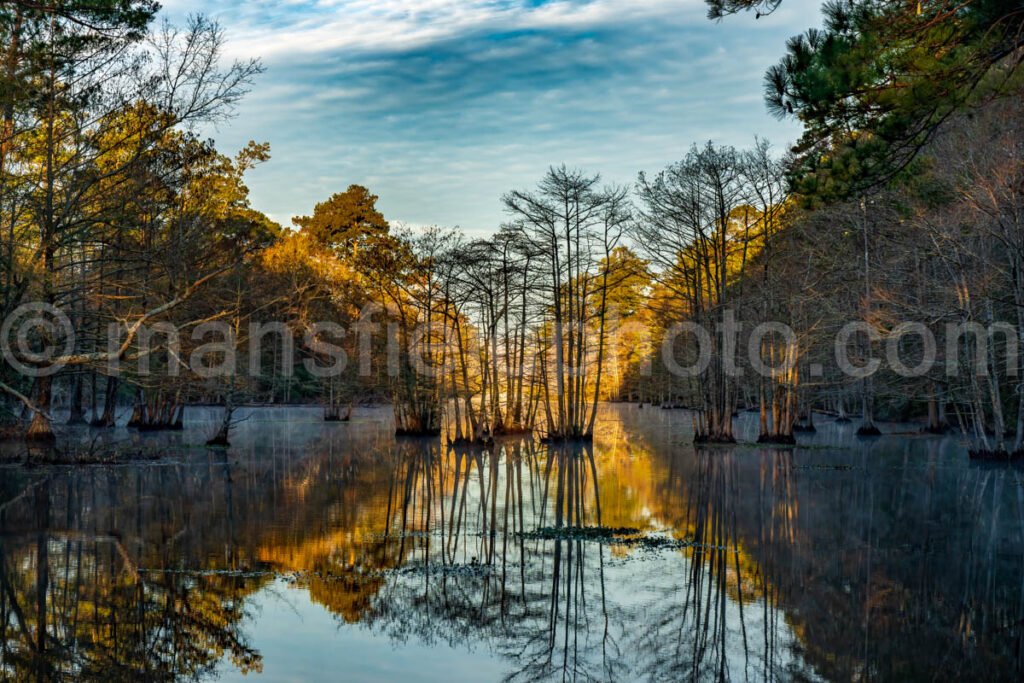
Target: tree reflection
(630, 558)
(720, 619)
(75, 605)
(473, 572)
(793, 565)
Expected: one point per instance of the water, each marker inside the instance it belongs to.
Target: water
(313, 551)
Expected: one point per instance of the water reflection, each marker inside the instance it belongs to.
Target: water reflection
(76, 603)
(636, 558)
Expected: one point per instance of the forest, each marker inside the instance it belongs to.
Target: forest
(892, 231)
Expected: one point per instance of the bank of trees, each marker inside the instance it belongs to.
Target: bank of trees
(590, 293)
(922, 268)
(909, 164)
(899, 204)
(113, 208)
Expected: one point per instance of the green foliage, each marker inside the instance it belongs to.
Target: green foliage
(346, 221)
(874, 84)
(718, 9)
(66, 35)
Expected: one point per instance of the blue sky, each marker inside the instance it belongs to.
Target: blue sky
(441, 106)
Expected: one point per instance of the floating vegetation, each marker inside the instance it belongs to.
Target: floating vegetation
(419, 534)
(472, 569)
(581, 533)
(200, 573)
(660, 542)
(622, 536)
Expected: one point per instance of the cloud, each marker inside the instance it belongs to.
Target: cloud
(301, 28)
(440, 106)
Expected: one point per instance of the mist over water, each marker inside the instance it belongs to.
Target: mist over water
(313, 551)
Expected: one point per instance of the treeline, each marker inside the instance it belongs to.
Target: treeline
(901, 204)
(910, 166)
(916, 284)
(113, 207)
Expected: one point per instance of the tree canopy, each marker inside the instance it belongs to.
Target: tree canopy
(346, 221)
(874, 83)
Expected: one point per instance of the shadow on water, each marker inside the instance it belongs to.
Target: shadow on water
(633, 558)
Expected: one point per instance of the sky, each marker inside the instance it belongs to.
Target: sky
(442, 106)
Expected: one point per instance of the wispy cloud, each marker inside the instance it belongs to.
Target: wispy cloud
(302, 28)
(442, 105)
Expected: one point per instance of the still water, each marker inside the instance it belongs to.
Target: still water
(311, 551)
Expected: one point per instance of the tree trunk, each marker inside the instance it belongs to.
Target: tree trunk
(109, 416)
(39, 429)
(77, 413)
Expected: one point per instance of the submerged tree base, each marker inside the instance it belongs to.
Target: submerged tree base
(332, 413)
(868, 430)
(40, 432)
